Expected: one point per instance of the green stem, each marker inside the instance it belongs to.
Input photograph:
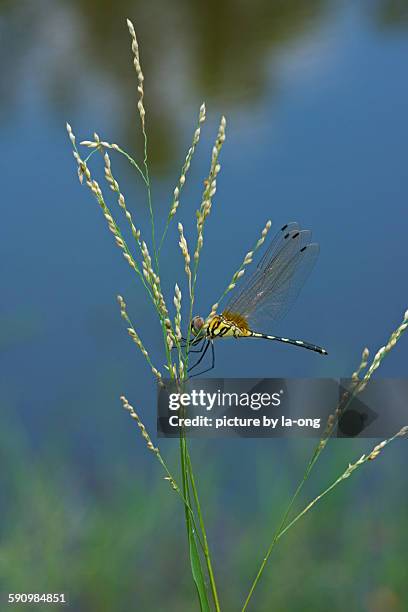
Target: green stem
(192, 532)
(204, 534)
(274, 540)
(351, 468)
(179, 492)
(184, 471)
(308, 507)
(348, 396)
(131, 161)
(149, 199)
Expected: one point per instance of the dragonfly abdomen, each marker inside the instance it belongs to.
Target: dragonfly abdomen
(301, 343)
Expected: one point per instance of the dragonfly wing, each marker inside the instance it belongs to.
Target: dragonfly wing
(278, 242)
(277, 297)
(279, 277)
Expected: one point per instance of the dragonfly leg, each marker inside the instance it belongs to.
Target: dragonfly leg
(202, 341)
(212, 360)
(203, 352)
(194, 342)
(200, 350)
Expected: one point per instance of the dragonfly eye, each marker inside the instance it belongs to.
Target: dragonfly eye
(196, 325)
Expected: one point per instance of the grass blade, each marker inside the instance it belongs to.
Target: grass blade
(196, 569)
(195, 561)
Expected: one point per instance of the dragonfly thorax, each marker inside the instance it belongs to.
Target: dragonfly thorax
(227, 325)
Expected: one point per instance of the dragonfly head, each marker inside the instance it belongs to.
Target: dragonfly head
(197, 325)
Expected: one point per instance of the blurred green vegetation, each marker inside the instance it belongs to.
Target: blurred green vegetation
(111, 536)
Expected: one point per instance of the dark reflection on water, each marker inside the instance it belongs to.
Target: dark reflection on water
(217, 50)
(210, 50)
(390, 13)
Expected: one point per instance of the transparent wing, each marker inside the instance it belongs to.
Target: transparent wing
(279, 277)
(278, 241)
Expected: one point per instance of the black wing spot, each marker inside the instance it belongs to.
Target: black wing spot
(303, 248)
(284, 227)
(295, 235)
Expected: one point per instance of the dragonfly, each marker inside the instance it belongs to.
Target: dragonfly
(267, 295)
